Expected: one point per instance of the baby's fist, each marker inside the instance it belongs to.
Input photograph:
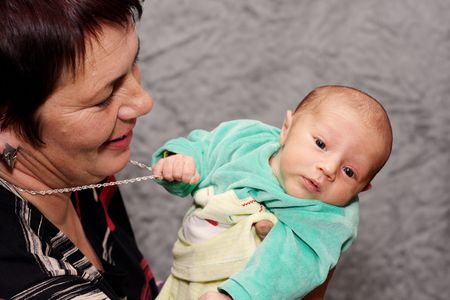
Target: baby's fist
(177, 167)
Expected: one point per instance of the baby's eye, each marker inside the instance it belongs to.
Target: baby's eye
(320, 144)
(348, 172)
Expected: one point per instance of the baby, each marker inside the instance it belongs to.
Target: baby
(305, 178)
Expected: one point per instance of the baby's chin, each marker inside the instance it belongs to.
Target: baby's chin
(340, 202)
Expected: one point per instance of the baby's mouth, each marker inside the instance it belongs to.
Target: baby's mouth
(311, 185)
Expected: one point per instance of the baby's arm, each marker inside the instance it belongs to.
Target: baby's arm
(177, 167)
(317, 294)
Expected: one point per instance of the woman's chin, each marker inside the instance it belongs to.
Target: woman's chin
(114, 164)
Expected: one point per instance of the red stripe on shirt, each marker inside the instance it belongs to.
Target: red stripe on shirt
(105, 198)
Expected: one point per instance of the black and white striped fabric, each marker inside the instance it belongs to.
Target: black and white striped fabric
(37, 261)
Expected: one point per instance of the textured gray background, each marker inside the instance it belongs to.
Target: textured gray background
(209, 61)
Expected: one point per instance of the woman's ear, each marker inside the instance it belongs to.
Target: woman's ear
(9, 145)
(286, 127)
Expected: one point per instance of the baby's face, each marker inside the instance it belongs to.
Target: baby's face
(328, 155)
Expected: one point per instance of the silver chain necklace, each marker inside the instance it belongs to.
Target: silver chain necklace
(92, 186)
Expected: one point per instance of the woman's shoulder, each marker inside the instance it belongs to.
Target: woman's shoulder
(38, 257)
(61, 287)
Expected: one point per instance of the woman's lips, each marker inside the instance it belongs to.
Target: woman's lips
(120, 143)
(310, 185)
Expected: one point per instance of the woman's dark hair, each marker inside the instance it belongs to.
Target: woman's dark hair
(39, 39)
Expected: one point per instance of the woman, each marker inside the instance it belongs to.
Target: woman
(70, 97)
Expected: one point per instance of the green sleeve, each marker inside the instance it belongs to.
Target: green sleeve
(295, 258)
(274, 272)
(211, 150)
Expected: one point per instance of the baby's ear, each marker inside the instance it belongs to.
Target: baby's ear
(286, 126)
(367, 187)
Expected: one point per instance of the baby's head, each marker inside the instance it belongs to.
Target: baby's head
(333, 145)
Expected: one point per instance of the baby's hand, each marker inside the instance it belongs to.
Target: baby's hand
(177, 167)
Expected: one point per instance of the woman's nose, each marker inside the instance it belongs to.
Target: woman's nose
(139, 102)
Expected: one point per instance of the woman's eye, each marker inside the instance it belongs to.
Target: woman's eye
(348, 172)
(320, 144)
(106, 102)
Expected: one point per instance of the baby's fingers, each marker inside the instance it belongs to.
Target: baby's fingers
(190, 174)
(163, 169)
(177, 167)
(157, 169)
(184, 168)
(195, 178)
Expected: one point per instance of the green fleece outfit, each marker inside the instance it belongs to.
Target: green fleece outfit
(309, 236)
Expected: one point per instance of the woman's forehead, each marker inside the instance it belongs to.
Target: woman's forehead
(107, 58)
(114, 46)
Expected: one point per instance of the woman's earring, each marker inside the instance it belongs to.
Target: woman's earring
(9, 155)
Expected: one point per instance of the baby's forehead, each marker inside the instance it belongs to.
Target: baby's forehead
(363, 108)
(354, 105)
(348, 118)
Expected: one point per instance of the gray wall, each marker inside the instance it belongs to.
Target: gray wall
(209, 61)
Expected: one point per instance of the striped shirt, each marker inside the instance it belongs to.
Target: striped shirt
(38, 261)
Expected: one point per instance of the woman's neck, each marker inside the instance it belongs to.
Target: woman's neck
(59, 210)
(33, 171)
(54, 207)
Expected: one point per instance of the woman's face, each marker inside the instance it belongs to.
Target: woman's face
(87, 123)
